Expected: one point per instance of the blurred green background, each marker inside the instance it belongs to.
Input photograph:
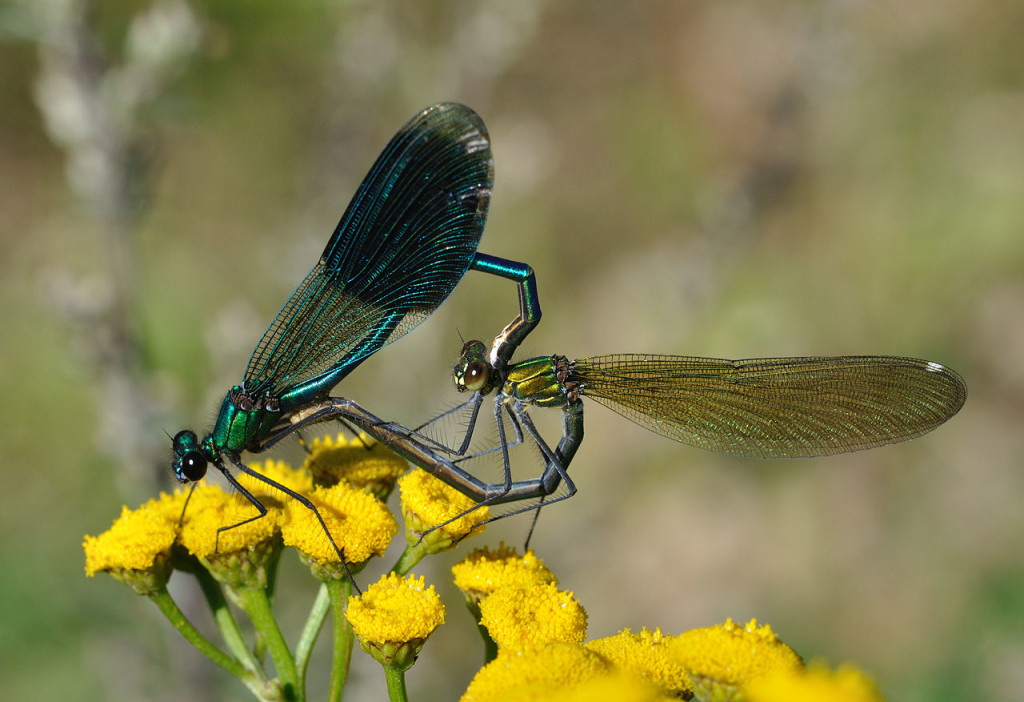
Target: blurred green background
(710, 178)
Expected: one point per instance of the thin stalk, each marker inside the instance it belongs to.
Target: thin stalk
(339, 592)
(408, 560)
(227, 623)
(163, 600)
(396, 684)
(255, 603)
(310, 632)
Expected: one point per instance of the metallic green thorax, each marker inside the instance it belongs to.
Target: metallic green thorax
(544, 381)
(242, 422)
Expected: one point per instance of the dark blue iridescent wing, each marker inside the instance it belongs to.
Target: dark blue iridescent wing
(403, 244)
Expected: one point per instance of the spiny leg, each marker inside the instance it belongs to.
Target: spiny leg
(305, 502)
(474, 402)
(555, 470)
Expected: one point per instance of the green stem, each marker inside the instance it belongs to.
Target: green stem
(339, 592)
(409, 558)
(169, 607)
(490, 646)
(396, 684)
(227, 623)
(270, 568)
(255, 603)
(310, 632)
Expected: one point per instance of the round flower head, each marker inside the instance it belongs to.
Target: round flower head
(211, 508)
(394, 617)
(526, 673)
(136, 549)
(720, 658)
(359, 523)
(239, 554)
(483, 571)
(817, 682)
(646, 656)
(363, 462)
(427, 503)
(519, 616)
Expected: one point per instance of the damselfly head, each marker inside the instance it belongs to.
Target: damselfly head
(473, 372)
(189, 462)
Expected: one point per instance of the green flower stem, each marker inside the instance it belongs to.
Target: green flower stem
(396, 683)
(408, 560)
(490, 646)
(270, 568)
(339, 591)
(162, 599)
(255, 603)
(310, 632)
(227, 623)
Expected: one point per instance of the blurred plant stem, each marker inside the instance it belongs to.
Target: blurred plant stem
(96, 112)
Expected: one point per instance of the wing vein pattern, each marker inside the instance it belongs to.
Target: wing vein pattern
(776, 407)
(405, 241)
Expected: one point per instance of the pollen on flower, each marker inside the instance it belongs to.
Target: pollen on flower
(817, 682)
(359, 523)
(363, 462)
(646, 656)
(615, 686)
(395, 610)
(136, 541)
(732, 654)
(483, 571)
(172, 505)
(211, 508)
(519, 616)
(428, 502)
(527, 673)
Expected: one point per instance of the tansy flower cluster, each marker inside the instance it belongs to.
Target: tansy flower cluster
(534, 633)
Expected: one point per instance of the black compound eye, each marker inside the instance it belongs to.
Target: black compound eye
(192, 466)
(476, 376)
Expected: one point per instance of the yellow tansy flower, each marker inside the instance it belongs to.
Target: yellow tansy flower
(239, 555)
(817, 682)
(527, 615)
(363, 462)
(360, 524)
(135, 549)
(171, 506)
(211, 508)
(611, 687)
(527, 673)
(645, 655)
(720, 658)
(428, 502)
(483, 571)
(394, 617)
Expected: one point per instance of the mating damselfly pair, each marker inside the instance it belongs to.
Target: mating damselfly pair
(406, 240)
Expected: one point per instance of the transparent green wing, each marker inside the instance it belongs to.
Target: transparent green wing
(776, 407)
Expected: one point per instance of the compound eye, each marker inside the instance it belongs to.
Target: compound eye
(192, 466)
(476, 376)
